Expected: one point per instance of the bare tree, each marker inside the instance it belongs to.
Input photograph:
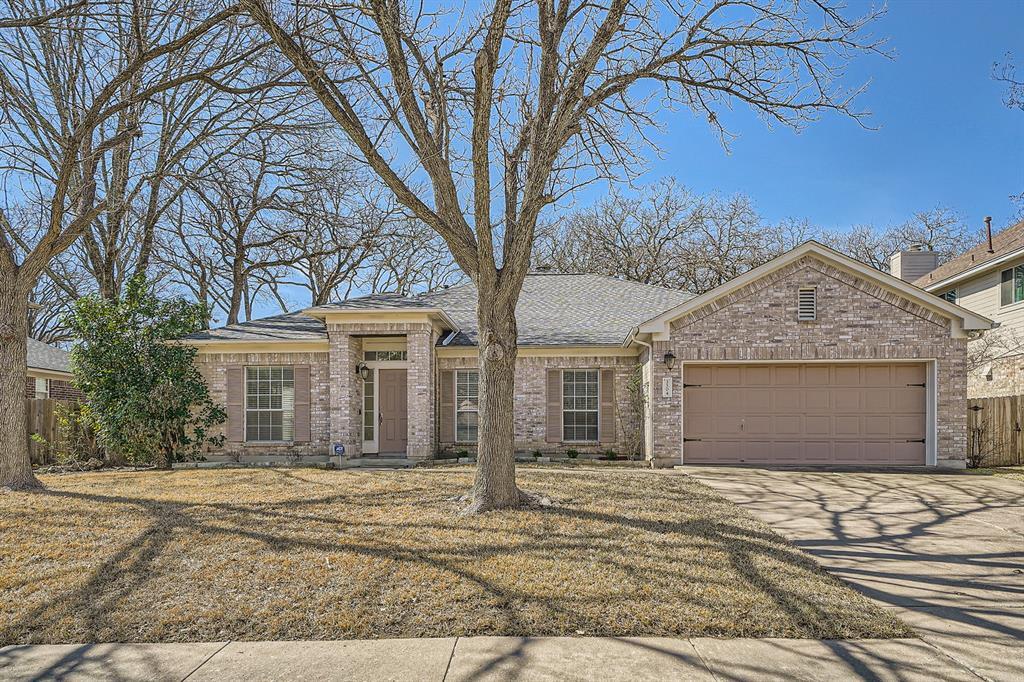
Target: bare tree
(503, 111)
(668, 236)
(53, 62)
(1006, 72)
(941, 229)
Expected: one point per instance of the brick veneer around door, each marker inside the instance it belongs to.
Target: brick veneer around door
(856, 320)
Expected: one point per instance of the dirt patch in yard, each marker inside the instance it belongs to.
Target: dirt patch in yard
(308, 554)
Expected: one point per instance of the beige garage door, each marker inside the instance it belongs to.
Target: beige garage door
(844, 414)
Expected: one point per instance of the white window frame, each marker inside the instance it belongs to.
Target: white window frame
(285, 408)
(467, 410)
(597, 409)
(45, 392)
(1014, 272)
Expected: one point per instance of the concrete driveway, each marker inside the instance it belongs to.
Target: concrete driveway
(945, 551)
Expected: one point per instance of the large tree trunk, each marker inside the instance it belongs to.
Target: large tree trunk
(15, 463)
(495, 484)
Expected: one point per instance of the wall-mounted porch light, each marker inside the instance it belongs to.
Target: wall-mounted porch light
(670, 360)
(363, 371)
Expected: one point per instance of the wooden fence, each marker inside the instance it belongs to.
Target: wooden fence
(42, 420)
(995, 430)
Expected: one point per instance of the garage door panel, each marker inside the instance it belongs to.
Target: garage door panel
(846, 375)
(840, 413)
(728, 375)
(757, 400)
(907, 454)
(697, 374)
(845, 399)
(817, 375)
(907, 399)
(818, 425)
(909, 374)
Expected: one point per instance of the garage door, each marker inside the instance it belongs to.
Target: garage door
(843, 414)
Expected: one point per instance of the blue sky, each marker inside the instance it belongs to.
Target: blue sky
(943, 134)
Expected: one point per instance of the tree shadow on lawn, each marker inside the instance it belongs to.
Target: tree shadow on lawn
(113, 584)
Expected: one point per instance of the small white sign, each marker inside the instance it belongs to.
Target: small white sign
(666, 387)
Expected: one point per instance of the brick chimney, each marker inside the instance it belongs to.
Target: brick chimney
(913, 263)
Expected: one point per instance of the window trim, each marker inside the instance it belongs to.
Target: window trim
(46, 389)
(455, 394)
(245, 407)
(1014, 271)
(596, 410)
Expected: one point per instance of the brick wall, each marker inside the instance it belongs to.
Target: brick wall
(855, 320)
(530, 417)
(997, 378)
(59, 389)
(214, 366)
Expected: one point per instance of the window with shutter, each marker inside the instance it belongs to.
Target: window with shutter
(807, 304)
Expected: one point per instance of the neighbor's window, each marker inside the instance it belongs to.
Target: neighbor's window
(269, 404)
(467, 405)
(949, 296)
(385, 355)
(42, 388)
(1011, 285)
(579, 405)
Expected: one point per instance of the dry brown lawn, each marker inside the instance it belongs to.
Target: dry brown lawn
(309, 554)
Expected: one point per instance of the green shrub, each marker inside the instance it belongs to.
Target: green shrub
(572, 453)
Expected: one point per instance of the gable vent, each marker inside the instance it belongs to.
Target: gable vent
(807, 304)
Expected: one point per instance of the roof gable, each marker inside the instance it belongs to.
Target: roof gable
(961, 318)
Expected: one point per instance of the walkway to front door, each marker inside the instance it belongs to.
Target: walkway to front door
(393, 415)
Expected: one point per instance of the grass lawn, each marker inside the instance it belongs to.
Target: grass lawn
(310, 554)
(1012, 472)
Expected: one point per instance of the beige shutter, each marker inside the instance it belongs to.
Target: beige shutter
(300, 377)
(447, 406)
(606, 419)
(554, 402)
(236, 404)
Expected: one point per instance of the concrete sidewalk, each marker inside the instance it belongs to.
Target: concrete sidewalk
(488, 658)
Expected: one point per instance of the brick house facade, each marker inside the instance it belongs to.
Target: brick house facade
(603, 365)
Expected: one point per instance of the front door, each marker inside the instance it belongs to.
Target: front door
(393, 414)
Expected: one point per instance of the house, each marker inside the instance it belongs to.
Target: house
(988, 280)
(812, 358)
(49, 373)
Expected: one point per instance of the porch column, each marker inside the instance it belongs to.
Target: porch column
(346, 391)
(421, 392)
(666, 410)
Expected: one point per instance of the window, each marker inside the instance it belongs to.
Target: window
(1011, 286)
(467, 405)
(269, 404)
(807, 304)
(949, 296)
(385, 355)
(42, 388)
(579, 405)
(370, 406)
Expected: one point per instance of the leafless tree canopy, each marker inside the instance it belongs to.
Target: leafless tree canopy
(1006, 72)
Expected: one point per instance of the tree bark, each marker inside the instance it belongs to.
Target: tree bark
(15, 463)
(495, 483)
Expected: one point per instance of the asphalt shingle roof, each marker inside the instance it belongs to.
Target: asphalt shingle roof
(1009, 240)
(44, 356)
(553, 310)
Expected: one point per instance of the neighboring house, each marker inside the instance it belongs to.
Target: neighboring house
(49, 373)
(813, 358)
(989, 280)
